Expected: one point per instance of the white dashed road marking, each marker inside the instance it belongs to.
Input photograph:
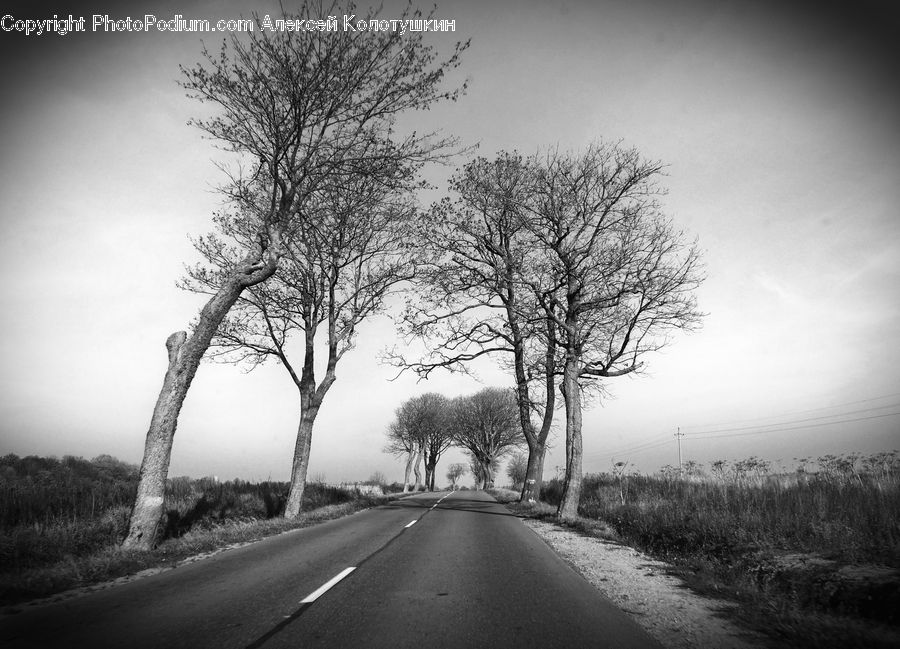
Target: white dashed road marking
(321, 590)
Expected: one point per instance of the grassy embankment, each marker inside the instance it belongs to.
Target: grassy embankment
(812, 556)
(61, 520)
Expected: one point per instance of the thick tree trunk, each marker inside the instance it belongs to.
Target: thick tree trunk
(487, 475)
(568, 506)
(410, 460)
(300, 466)
(429, 476)
(534, 474)
(184, 359)
(536, 440)
(417, 472)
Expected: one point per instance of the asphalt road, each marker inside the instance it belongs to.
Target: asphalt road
(429, 571)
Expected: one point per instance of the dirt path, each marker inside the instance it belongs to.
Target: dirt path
(662, 604)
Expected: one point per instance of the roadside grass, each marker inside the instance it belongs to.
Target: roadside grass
(503, 495)
(812, 556)
(61, 522)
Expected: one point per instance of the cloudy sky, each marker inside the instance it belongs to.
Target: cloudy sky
(780, 131)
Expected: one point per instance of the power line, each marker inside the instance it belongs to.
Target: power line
(779, 430)
(651, 443)
(627, 452)
(801, 412)
(796, 421)
(783, 426)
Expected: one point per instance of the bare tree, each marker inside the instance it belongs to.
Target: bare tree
(474, 299)
(486, 424)
(618, 274)
(295, 109)
(454, 472)
(341, 266)
(420, 431)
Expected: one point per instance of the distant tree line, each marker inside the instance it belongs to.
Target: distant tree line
(484, 424)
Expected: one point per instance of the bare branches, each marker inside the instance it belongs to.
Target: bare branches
(303, 109)
(621, 274)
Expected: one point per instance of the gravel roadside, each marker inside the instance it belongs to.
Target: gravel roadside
(676, 616)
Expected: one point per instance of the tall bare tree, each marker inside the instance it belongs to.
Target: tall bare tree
(474, 299)
(486, 424)
(340, 267)
(296, 109)
(618, 273)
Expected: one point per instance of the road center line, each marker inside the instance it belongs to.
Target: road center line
(408, 525)
(321, 590)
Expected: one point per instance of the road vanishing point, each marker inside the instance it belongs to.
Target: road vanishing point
(427, 571)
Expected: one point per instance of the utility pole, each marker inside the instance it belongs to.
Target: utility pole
(678, 437)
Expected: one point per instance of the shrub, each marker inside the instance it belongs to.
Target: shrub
(551, 491)
(52, 510)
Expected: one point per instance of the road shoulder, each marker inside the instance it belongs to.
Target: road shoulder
(659, 602)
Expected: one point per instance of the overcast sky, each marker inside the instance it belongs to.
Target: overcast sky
(780, 131)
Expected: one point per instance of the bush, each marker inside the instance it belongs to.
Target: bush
(743, 525)
(551, 491)
(51, 510)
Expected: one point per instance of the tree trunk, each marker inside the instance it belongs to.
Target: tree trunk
(311, 398)
(410, 460)
(416, 471)
(300, 465)
(568, 506)
(536, 440)
(429, 476)
(184, 359)
(534, 474)
(488, 473)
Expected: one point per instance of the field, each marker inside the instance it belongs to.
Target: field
(61, 520)
(813, 555)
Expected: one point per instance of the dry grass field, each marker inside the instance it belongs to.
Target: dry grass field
(811, 555)
(61, 521)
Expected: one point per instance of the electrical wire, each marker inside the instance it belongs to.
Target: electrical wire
(653, 442)
(796, 412)
(796, 421)
(779, 426)
(779, 430)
